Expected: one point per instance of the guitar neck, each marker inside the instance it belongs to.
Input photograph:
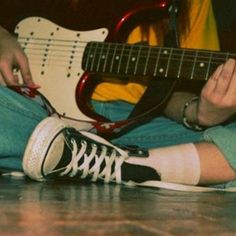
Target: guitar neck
(141, 60)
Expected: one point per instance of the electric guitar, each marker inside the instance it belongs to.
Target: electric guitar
(60, 60)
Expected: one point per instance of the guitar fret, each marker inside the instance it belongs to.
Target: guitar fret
(180, 64)
(194, 64)
(113, 58)
(121, 57)
(93, 64)
(128, 63)
(157, 62)
(201, 67)
(208, 67)
(168, 63)
(88, 57)
(147, 60)
(188, 61)
(100, 57)
(137, 60)
(106, 58)
(162, 62)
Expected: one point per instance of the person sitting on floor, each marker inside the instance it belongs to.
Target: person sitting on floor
(175, 153)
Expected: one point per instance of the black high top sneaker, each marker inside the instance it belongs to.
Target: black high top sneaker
(56, 150)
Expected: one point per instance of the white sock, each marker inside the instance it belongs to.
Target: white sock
(176, 164)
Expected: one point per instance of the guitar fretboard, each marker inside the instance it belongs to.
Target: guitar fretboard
(141, 60)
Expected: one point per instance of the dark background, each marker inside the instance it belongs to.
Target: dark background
(225, 12)
(77, 14)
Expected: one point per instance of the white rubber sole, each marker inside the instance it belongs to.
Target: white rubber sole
(37, 146)
(181, 187)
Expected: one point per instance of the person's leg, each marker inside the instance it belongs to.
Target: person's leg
(18, 118)
(162, 132)
(56, 150)
(201, 163)
(159, 132)
(224, 138)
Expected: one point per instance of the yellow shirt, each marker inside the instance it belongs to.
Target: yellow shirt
(202, 34)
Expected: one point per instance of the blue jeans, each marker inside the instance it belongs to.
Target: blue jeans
(18, 118)
(20, 115)
(158, 132)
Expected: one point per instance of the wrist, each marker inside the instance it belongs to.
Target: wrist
(190, 114)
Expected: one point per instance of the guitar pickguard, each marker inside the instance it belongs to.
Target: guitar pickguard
(55, 55)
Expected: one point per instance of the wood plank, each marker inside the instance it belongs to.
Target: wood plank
(73, 208)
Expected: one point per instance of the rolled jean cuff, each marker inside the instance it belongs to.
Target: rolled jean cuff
(225, 139)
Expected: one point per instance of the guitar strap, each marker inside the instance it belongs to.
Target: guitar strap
(158, 91)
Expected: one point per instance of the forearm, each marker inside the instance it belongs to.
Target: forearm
(175, 106)
(216, 104)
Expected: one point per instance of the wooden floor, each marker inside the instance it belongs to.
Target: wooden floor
(65, 208)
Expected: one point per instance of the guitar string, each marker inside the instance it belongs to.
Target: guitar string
(72, 69)
(174, 56)
(78, 59)
(56, 62)
(67, 54)
(115, 44)
(73, 53)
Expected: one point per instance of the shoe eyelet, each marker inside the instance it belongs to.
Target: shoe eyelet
(83, 142)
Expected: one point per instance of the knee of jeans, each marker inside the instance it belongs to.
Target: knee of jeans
(224, 138)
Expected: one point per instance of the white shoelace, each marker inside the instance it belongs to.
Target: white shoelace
(95, 171)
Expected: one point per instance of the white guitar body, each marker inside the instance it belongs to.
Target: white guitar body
(55, 55)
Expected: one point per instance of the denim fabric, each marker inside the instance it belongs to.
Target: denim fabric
(20, 115)
(159, 132)
(18, 118)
